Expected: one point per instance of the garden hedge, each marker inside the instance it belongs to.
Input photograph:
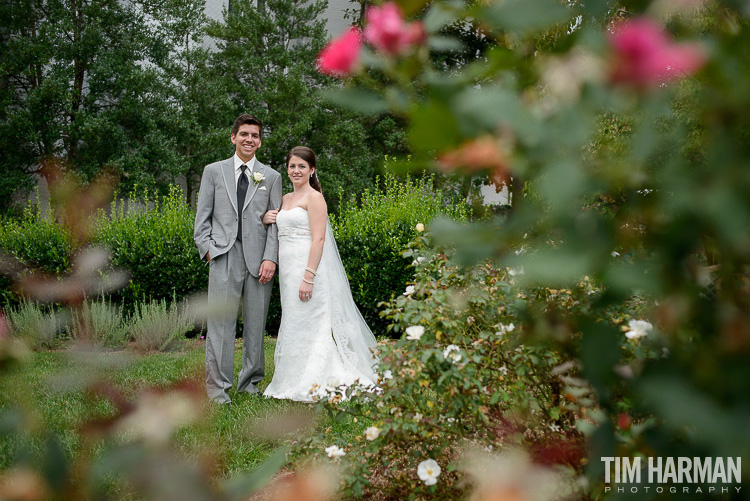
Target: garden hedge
(152, 238)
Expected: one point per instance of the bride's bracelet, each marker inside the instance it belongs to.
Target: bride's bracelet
(307, 281)
(307, 268)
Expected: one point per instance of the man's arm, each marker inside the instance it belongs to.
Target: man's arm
(203, 213)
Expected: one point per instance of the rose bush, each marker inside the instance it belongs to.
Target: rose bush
(468, 373)
(623, 130)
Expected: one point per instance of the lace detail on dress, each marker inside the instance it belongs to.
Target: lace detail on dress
(293, 231)
(338, 324)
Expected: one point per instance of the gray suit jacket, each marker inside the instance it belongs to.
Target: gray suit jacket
(216, 214)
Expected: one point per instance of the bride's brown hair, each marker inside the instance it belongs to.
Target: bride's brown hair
(308, 156)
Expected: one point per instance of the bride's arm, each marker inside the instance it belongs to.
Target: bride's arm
(317, 213)
(270, 216)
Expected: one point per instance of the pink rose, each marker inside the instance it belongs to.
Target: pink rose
(340, 56)
(387, 31)
(645, 56)
(415, 33)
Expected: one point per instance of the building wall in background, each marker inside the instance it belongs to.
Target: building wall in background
(334, 14)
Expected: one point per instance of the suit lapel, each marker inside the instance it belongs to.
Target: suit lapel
(259, 167)
(227, 169)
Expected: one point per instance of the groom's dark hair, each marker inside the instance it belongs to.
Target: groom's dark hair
(248, 119)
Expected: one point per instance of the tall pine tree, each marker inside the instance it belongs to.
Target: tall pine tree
(268, 55)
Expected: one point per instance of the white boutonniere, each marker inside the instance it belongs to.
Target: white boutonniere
(258, 177)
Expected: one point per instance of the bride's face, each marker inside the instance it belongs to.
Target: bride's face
(299, 171)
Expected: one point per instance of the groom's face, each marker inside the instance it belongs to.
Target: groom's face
(246, 141)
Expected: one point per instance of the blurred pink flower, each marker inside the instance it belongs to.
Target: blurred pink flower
(387, 31)
(340, 56)
(645, 56)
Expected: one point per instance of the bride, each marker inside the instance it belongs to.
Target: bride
(323, 339)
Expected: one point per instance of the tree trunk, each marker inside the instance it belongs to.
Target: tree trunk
(516, 193)
(79, 75)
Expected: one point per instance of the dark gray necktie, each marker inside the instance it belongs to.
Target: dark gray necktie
(241, 192)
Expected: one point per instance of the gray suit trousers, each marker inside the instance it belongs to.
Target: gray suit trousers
(229, 280)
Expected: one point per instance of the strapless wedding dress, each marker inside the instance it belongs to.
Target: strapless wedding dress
(324, 341)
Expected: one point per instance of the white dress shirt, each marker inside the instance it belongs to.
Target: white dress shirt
(237, 171)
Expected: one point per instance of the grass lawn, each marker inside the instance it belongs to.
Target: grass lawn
(50, 393)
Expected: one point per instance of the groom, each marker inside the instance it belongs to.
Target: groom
(242, 254)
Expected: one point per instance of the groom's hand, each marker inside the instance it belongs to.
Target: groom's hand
(267, 269)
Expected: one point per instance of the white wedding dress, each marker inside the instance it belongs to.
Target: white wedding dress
(323, 342)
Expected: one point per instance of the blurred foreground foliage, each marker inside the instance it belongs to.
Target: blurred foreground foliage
(86, 421)
(607, 315)
(632, 217)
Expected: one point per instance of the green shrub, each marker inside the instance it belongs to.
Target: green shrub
(157, 326)
(37, 241)
(101, 323)
(37, 326)
(153, 241)
(39, 244)
(372, 234)
(464, 376)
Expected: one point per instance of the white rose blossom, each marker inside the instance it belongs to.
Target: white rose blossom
(372, 433)
(419, 227)
(335, 451)
(409, 290)
(428, 471)
(638, 329)
(258, 177)
(504, 329)
(318, 392)
(452, 353)
(414, 332)
(516, 271)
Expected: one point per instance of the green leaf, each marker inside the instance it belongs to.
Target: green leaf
(684, 407)
(437, 17)
(433, 127)
(358, 100)
(483, 110)
(341, 416)
(445, 44)
(409, 7)
(524, 15)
